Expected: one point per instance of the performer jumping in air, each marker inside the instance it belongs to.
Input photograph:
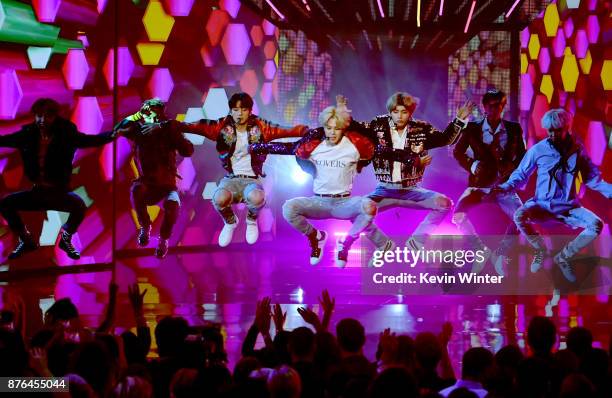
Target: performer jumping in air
(47, 147)
(333, 153)
(155, 155)
(243, 183)
(559, 159)
(398, 182)
(496, 149)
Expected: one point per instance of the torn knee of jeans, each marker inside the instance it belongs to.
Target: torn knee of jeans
(256, 198)
(222, 198)
(459, 218)
(369, 207)
(597, 227)
(443, 202)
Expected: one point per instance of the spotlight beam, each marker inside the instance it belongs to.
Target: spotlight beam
(467, 23)
(512, 8)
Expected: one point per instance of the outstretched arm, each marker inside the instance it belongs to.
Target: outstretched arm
(12, 140)
(519, 177)
(437, 138)
(82, 140)
(205, 127)
(271, 131)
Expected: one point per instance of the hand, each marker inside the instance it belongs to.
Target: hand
(310, 317)
(327, 303)
(465, 110)
(423, 161)
(263, 315)
(122, 132)
(279, 318)
(389, 345)
(446, 333)
(38, 361)
(150, 128)
(136, 299)
(342, 103)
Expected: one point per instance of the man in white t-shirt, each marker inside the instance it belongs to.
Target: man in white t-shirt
(334, 154)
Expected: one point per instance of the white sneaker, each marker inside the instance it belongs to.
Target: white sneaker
(316, 248)
(225, 237)
(252, 231)
(341, 253)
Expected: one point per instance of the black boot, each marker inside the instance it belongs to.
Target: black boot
(26, 244)
(65, 244)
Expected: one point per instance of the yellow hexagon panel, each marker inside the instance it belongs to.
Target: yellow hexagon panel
(546, 87)
(586, 63)
(157, 23)
(569, 71)
(551, 20)
(524, 63)
(534, 46)
(606, 74)
(150, 53)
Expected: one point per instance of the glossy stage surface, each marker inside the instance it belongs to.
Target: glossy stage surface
(210, 284)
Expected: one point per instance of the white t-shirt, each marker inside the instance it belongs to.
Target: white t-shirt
(241, 158)
(399, 141)
(336, 167)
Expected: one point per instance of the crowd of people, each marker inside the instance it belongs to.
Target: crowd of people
(308, 361)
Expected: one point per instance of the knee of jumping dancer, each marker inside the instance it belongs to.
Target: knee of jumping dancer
(256, 198)
(443, 203)
(290, 209)
(596, 226)
(222, 198)
(521, 215)
(369, 207)
(459, 217)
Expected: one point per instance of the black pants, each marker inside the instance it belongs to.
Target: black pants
(143, 195)
(43, 198)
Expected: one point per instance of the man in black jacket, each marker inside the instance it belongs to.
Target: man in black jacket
(497, 147)
(47, 148)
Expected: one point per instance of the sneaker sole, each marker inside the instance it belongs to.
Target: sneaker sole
(317, 260)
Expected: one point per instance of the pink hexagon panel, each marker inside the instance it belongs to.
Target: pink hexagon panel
(269, 69)
(87, 115)
(235, 44)
(10, 94)
(75, 69)
(217, 21)
(161, 84)
(249, 82)
(178, 8)
(46, 10)
(596, 142)
(270, 50)
(231, 6)
(257, 35)
(125, 67)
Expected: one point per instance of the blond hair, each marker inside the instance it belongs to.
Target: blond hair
(342, 116)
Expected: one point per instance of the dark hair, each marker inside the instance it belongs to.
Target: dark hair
(493, 94)
(350, 334)
(45, 105)
(579, 340)
(245, 100)
(170, 335)
(476, 361)
(62, 310)
(541, 334)
(428, 350)
(394, 382)
(462, 392)
(301, 342)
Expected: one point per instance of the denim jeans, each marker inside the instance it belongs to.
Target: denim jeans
(297, 211)
(239, 188)
(509, 203)
(388, 196)
(577, 217)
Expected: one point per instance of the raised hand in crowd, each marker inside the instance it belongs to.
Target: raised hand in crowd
(328, 304)
(279, 318)
(136, 298)
(263, 315)
(109, 317)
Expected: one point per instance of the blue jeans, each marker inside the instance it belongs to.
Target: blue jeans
(388, 195)
(509, 203)
(577, 217)
(298, 210)
(239, 188)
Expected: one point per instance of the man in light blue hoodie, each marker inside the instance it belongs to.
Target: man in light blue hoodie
(559, 160)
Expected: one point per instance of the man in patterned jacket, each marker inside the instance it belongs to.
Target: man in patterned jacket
(398, 182)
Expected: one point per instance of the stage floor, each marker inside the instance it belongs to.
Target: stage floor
(210, 284)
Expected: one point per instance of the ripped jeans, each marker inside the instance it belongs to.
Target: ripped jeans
(361, 210)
